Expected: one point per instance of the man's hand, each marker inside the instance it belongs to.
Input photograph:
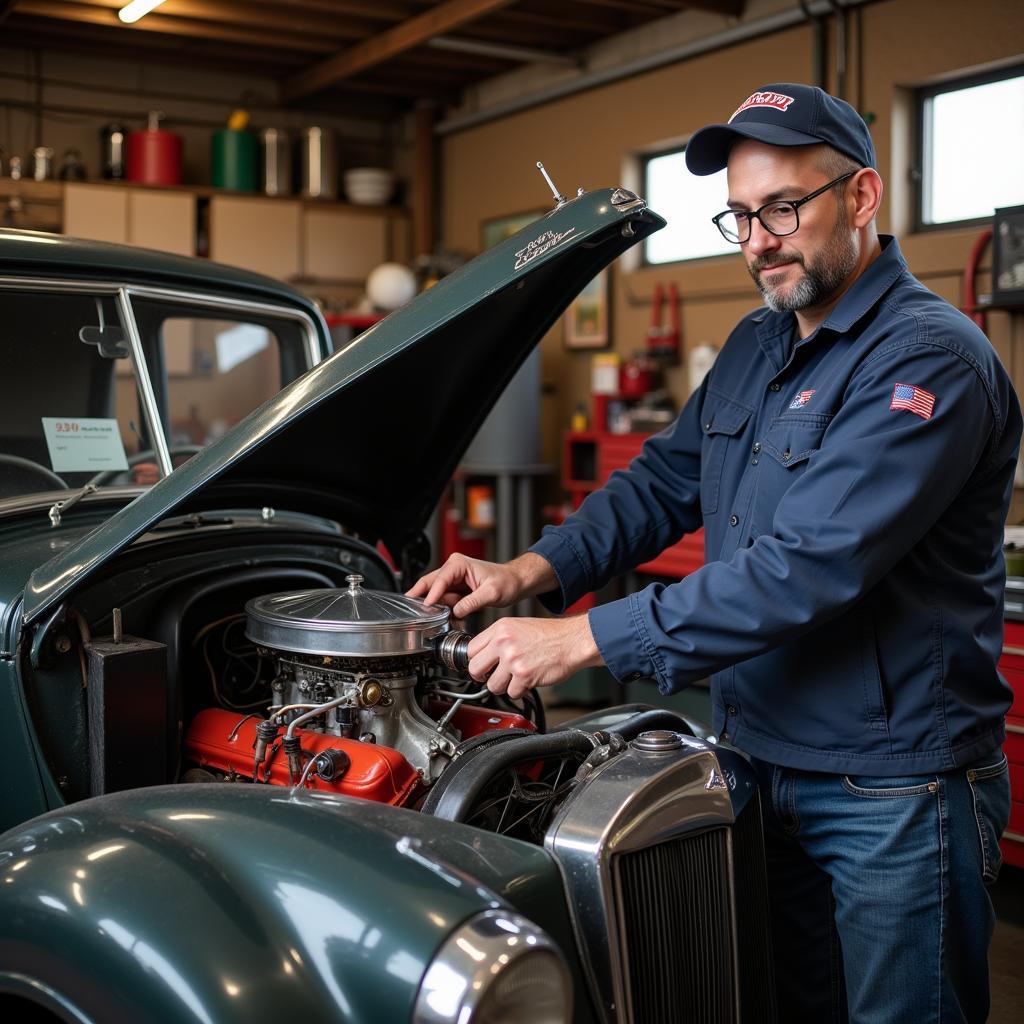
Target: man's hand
(468, 584)
(515, 655)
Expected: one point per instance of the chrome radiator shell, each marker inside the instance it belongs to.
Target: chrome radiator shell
(691, 812)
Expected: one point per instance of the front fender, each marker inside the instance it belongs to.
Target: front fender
(218, 903)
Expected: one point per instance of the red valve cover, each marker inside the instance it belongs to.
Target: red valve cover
(374, 773)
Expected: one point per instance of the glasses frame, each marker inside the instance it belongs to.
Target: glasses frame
(795, 203)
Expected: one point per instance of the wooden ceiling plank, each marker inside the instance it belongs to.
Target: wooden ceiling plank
(33, 33)
(728, 8)
(61, 10)
(243, 15)
(375, 10)
(436, 21)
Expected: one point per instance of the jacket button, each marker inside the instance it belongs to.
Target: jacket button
(785, 455)
(730, 710)
(707, 426)
(734, 520)
(757, 447)
(774, 387)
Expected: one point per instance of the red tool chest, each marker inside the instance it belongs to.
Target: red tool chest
(589, 458)
(1011, 664)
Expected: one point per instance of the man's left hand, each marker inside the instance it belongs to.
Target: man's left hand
(515, 655)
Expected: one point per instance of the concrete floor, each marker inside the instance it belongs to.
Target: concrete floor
(1006, 956)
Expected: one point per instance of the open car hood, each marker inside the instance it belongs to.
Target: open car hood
(371, 436)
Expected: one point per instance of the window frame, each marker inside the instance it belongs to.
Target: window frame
(918, 170)
(644, 160)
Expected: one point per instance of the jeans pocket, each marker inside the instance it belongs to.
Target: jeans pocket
(990, 790)
(889, 787)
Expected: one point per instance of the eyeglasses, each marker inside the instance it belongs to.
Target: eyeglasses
(780, 218)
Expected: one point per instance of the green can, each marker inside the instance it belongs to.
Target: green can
(233, 161)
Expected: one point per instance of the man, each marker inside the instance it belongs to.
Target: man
(851, 458)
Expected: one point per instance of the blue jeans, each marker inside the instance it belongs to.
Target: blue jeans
(877, 885)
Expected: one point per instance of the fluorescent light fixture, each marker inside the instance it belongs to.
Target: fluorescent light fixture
(131, 13)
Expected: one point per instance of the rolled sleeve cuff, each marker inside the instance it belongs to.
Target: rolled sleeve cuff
(569, 568)
(624, 643)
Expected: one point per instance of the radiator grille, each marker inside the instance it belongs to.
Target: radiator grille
(677, 914)
(677, 925)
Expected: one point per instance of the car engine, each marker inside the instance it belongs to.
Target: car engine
(360, 702)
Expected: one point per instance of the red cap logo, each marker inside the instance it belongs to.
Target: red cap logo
(763, 99)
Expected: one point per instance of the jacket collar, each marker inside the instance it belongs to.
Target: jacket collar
(774, 329)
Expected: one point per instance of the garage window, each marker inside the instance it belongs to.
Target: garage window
(971, 155)
(688, 202)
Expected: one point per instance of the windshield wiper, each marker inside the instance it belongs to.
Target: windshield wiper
(62, 506)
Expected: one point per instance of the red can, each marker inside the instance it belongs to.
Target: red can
(154, 157)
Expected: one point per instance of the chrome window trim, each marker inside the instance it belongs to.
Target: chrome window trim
(144, 382)
(124, 292)
(638, 799)
(476, 953)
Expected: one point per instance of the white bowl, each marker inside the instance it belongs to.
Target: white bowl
(369, 186)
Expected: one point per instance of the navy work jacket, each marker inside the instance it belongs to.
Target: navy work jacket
(853, 490)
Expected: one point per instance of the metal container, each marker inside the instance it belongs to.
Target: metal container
(112, 144)
(319, 164)
(233, 160)
(348, 623)
(42, 163)
(276, 162)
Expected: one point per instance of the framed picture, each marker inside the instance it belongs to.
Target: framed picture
(1008, 257)
(499, 228)
(587, 318)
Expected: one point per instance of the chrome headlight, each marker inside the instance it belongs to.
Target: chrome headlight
(497, 968)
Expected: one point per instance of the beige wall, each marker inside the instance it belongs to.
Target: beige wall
(590, 140)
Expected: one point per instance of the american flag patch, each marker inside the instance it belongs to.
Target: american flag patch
(802, 398)
(913, 399)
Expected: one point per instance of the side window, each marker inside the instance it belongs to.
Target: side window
(68, 413)
(971, 154)
(212, 363)
(218, 371)
(688, 202)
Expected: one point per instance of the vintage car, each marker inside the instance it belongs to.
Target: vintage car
(244, 777)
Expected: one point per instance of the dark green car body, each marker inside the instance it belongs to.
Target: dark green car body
(221, 903)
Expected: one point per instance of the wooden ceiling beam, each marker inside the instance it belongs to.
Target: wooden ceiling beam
(388, 44)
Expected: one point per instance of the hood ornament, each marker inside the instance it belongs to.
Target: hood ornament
(560, 200)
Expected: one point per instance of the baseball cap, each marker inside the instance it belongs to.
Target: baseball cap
(784, 114)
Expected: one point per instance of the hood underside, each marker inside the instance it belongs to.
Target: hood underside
(371, 436)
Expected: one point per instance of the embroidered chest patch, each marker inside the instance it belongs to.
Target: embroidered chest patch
(801, 399)
(913, 399)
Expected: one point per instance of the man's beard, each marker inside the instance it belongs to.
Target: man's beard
(822, 278)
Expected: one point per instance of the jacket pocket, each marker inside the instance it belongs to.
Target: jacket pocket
(792, 440)
(788, 444)
(990, 790)
(722, 420)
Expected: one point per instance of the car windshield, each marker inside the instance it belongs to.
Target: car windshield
(74, 411)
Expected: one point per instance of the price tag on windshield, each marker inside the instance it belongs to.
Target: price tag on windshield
(84, 445)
